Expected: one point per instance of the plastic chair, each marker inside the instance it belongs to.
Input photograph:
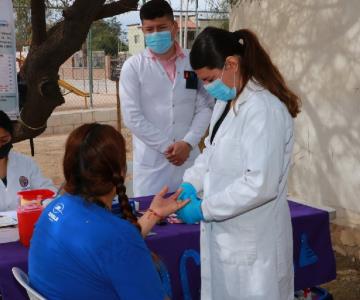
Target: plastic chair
(23, 279)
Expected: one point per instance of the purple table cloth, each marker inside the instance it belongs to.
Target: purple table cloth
(314, 261)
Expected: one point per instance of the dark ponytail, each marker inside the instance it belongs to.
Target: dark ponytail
(214, 45)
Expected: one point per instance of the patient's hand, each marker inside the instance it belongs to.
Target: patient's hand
(166, 206)
(160, 208)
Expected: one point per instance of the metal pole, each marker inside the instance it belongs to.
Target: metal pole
(181, 25)
(32, 148)
(186, 25)
(90, 68)
(197, 17)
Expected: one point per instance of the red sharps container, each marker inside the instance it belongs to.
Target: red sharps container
(29, 211)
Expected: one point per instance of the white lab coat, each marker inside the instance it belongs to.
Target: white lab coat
(246, 238)
(159, 112)
(22, 174)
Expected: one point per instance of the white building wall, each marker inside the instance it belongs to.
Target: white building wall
(135, 39)
(316, 45)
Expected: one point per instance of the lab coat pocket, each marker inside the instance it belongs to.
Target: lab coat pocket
(190, 95)
(238, 247)
(150, 157)
(227, 157)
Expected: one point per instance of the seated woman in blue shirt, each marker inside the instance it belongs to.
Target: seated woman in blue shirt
(79, 249)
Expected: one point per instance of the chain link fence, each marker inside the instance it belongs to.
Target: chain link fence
(87, 78)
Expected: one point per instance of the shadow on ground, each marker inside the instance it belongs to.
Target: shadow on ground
(347, 284)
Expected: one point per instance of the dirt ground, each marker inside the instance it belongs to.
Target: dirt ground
(49, 153)
(347, 284)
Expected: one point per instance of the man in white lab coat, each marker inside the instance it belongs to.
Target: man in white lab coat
(163, 104)
(18, 172)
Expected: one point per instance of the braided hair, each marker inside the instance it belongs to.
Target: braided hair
(95, 163)
(126, 209)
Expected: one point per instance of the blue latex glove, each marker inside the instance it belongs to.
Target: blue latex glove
(191, 213)
(188, 190)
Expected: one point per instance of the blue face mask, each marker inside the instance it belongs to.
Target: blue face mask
(220, 90)
(159, 42)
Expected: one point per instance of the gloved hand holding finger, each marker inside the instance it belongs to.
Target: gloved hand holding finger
(191, 213)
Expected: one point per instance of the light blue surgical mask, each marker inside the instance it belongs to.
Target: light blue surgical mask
(159, 42)
(219, 90)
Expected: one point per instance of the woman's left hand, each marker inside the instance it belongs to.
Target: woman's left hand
(160, 208)
(166, 206)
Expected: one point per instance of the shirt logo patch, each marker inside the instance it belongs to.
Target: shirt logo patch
(56, 212)
(58, 208)
(24, 181)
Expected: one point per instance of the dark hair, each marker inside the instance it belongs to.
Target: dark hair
(214, 45)
(94, 161)
(5, 122)
(156, 9)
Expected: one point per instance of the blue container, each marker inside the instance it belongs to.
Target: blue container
(321, 294)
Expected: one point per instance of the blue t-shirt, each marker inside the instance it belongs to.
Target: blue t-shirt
(82, 251)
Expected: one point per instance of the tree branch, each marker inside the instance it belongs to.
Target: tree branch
(49, 50)
(81, 9)
(117, 8)
(38, 22)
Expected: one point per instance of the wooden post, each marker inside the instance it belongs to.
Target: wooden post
(118, 110)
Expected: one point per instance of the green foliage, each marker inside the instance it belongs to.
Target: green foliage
(105, 33)
(22, 23)
(220, 5)
(105, 36)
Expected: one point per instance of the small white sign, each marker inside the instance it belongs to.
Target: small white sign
(9, 101)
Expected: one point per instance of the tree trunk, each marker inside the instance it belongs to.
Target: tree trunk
(48, 51)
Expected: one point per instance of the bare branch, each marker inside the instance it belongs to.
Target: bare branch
(81, 9)
(116, 8)
(38, 22)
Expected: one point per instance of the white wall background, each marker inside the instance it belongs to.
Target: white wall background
(316, 45)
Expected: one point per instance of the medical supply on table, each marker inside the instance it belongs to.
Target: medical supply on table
(29, 212)
(34, 196)
(8, 229)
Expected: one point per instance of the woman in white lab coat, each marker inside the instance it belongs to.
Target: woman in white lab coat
(18, 172)
(246, 232)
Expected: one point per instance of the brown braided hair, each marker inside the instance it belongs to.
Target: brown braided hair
(126, 209)
(94, 163)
